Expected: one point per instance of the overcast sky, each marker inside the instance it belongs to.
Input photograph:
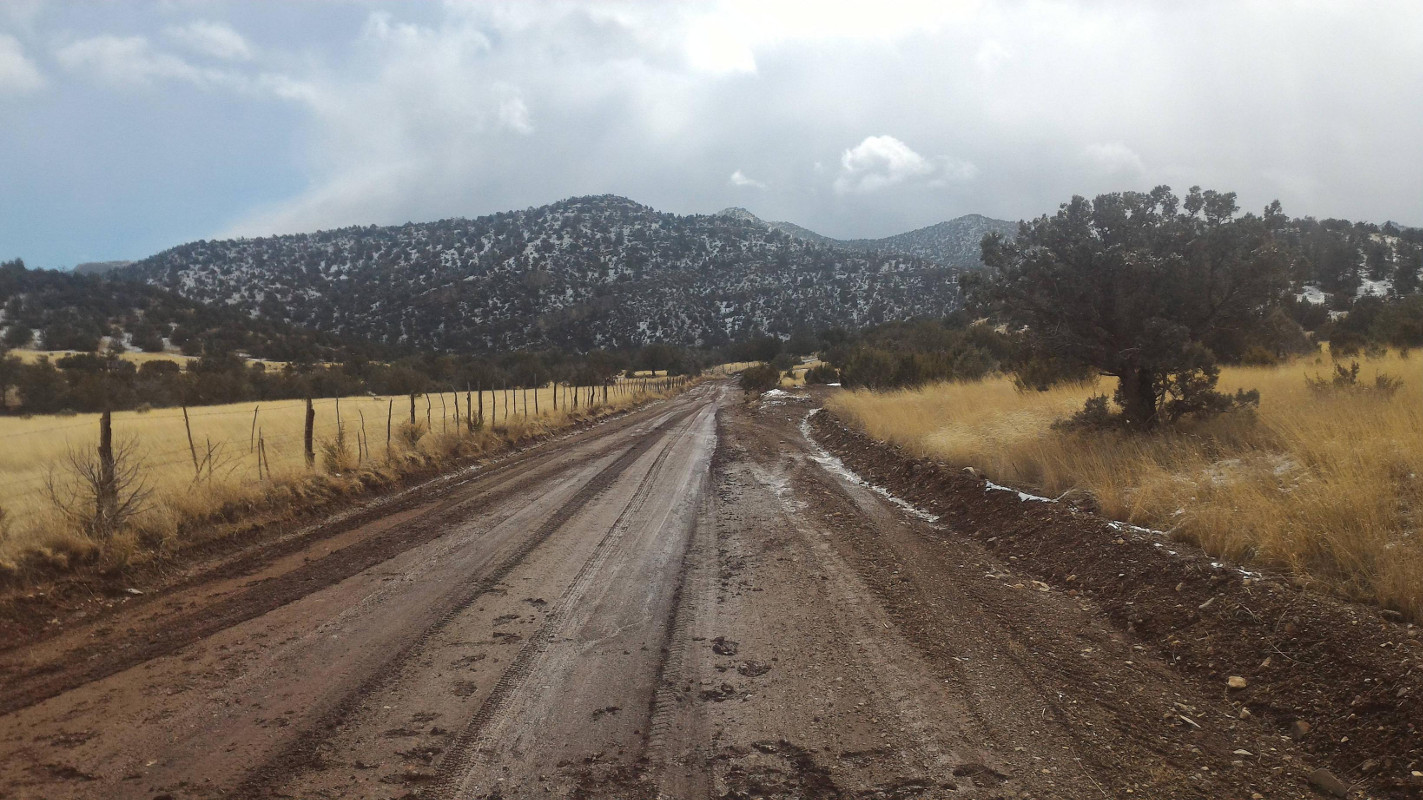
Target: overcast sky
(128, 127)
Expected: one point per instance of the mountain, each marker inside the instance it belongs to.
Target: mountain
(954, 243)
(99, 267)
(585, 273)
(59, 310)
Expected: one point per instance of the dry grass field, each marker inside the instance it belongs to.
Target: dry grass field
(372, 444)
(1326, 486)
(134, 356)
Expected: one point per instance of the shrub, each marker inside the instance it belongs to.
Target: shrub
(336, 456)
(1346, 380)
(822, 373)
(1257, 356)
(760, 378)
(96, 498)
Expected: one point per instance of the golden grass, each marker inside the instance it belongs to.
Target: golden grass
(1325, 487)
(31, 449)
(137, 357)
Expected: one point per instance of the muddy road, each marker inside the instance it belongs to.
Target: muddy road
(691, 601)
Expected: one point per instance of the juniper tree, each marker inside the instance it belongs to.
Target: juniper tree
(1138, 286)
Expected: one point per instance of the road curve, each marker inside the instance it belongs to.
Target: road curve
(691, 601)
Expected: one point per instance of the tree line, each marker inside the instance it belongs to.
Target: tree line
(103, 381)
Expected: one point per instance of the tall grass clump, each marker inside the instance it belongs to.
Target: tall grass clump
(1323, 482)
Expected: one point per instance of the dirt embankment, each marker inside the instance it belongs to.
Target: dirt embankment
(1344, 680)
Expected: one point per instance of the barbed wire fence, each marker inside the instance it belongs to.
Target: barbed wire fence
(178, 448)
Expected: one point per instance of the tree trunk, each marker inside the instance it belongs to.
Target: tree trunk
(1138, 397)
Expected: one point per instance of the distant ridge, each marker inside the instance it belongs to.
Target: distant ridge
(953, 243)
(99, 267)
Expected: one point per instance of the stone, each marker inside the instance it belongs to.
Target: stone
(1324, 780)
(1236, 682)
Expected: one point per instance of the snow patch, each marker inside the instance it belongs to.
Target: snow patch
(1023, 496)
(1369, 288)
(837, 467)
(1311, 294)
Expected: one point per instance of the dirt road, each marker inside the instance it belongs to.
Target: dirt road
(690, 601)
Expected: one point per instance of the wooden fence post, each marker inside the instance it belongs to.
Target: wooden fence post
(251, 437)
(363, 447)
(192, 448)
(106, 509)
(389, 415)
(306, 437)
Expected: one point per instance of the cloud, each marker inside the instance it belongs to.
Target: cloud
(18, 74)
(990, 56)
(127, 61)
(213, 39)
(514, 115)
(430, 110)
(1114, 158)
(739, 178)
(880, 162)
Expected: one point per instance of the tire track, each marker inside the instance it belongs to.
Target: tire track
(694, 588)
(303, 752)
(471, 748)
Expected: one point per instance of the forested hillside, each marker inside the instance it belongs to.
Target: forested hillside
(53, 310)
(584, 273)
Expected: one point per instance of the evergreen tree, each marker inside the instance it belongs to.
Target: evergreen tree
(1137, 286)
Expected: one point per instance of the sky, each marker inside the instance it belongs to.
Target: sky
(130, 127)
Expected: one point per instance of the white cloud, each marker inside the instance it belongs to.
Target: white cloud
(883, 161)
(719, 44)
(127, 61)
(990, 56)
(18, 74)
(741, 179)
(1114, 158)
(214, 39)
(514, 115)
(133, 62)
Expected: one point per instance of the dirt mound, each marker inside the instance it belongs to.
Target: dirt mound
(1349, 673)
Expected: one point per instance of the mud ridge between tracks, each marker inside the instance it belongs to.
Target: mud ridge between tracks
(183, 629)
(673, 651)
(471, 748)
(302, 753)
(1355, 676)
